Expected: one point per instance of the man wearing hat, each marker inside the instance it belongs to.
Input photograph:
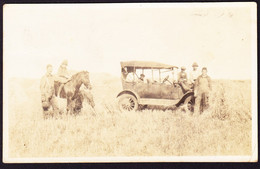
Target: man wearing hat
(141, 79)
(182, 79)
(194, 74)
(63, 72)
(47, 92)
(182, 76)
(63, 75)
(130, 76)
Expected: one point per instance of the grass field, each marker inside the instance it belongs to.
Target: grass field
(225, 129)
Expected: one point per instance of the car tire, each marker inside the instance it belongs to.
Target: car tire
(127, 102)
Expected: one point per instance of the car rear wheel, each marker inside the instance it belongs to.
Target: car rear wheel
(127, 102)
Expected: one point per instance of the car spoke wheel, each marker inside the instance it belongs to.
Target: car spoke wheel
(127, 102)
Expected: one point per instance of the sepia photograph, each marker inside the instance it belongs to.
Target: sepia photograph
(130, 82)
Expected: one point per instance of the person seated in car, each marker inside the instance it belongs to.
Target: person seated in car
(124, 73)
(182, 79)
(131, 76)
(182, 76)
(141, 78)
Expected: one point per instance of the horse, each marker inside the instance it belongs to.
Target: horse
(71, 91)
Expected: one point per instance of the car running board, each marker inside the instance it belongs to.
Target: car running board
(159, 102)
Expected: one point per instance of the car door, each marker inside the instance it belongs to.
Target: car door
(170, 91)
(148, 90)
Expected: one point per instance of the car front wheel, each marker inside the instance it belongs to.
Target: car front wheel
(127, 102)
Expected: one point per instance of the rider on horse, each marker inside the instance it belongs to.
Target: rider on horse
(63, 75)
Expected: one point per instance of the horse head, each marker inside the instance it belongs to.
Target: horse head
(84, 77)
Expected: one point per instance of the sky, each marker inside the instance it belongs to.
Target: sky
(97, 37)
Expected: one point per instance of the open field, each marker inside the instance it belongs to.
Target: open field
(225, 129)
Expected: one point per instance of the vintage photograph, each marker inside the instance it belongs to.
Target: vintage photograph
(139, 82)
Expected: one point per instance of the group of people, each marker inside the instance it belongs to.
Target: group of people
(182, 76)
(200, 82)
(48, 97)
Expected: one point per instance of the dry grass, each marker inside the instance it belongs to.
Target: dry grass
(225, 129)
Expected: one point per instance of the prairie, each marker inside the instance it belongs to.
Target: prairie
(224, 129)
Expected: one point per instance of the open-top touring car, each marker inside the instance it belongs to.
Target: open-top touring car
(155, 89)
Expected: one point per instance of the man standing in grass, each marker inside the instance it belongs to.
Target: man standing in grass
(47, 92)
(201, 91)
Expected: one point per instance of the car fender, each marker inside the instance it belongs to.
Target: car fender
(129, 92)
(184, 98)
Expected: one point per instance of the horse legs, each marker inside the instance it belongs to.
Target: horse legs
(78, 103)
(89, 98)
(74, 103)
(59, 90)
(69, 106)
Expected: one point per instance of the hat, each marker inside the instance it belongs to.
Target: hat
(204, 68)
(195, 64)
(183, 68)
(65, 62)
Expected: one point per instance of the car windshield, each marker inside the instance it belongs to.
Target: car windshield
(167, 74)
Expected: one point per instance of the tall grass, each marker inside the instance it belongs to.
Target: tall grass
(224, 129)
(231, 100)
